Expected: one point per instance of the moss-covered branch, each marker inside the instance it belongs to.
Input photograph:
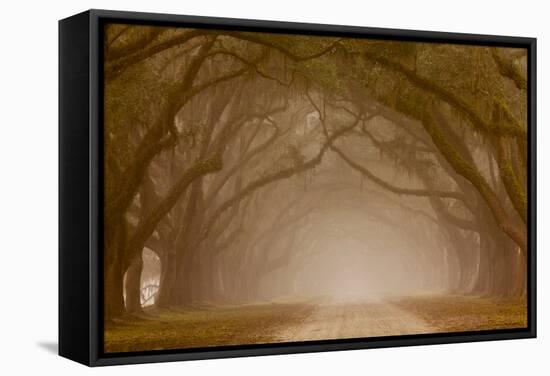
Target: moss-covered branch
(511, 128)
(507, 68)
(276, 176)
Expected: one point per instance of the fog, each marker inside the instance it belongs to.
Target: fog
(254, 168)
(328, 234)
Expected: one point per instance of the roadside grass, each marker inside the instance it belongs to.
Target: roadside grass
(208, 325)
(455, 313)
(201, 327)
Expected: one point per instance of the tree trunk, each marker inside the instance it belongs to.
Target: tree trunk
(113, 291)
(520, 288)
(114, 267)
(132, 285)
(485, 280)
(167, 279)
(182, 293)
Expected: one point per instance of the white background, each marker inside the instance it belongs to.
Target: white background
(28, 186)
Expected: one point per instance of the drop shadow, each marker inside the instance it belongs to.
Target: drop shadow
(50, 347)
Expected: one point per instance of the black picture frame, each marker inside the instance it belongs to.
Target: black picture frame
(80, 182)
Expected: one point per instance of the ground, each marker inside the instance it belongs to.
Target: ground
(286, 322)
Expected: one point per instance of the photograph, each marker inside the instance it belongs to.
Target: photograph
(275, 187)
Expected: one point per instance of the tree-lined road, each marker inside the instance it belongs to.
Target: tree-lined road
(312, 320)
(257, 167)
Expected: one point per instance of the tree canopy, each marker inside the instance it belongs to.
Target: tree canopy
(228, 153)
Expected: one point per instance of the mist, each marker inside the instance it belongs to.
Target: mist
(270, 177)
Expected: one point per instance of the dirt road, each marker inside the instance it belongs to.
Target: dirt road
(338, 320)
(312, 320)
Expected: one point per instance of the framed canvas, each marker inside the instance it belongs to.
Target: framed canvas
(238, 187)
